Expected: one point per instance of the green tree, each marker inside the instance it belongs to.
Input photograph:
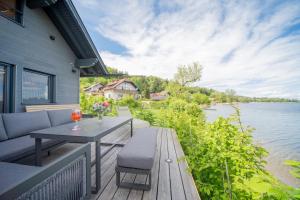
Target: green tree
(200, 99)
(142, 84)
(149, 84)
(156, 84)
(174, 88)
(187, 74)
(231, 95)
(219, 97)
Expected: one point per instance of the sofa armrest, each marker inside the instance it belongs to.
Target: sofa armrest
(68, 176)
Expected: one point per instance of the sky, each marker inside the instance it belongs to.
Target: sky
(252, 46)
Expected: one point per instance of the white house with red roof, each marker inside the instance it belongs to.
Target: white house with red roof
(119, 88)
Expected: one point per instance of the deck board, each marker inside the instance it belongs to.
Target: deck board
(149, 195)
(177, 190)
(169, 181)
(187, 179)
(164, 187)
(122, 193)
(137, 194)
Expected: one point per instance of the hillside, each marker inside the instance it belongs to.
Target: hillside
(153, 84)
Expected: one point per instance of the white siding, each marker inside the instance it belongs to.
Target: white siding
(126, 86)
(113, 94)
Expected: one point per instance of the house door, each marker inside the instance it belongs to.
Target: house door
(5, 88)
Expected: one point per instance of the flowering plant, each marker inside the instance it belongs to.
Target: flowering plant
(101, 108)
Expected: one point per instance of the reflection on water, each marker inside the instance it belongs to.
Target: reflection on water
(277, 128)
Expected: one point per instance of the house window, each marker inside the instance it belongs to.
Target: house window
(12, 9)
(6, 88)
(37, 88)
(2, 87)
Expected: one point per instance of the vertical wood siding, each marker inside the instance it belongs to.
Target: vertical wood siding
(30, 47)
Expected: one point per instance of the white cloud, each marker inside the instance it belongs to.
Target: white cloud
(240, 44)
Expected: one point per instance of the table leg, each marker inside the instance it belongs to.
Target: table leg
(98, 167)
(38, 151)
(131, 127)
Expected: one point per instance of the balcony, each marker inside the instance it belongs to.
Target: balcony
(170, 176)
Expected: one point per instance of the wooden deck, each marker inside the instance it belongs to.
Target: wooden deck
(169, 180)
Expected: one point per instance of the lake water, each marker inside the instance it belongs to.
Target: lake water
(277, 128)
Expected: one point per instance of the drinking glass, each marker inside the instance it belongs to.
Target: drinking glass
(76, 116)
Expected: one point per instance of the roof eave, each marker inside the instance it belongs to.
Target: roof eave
(100, 63)
(66, 18)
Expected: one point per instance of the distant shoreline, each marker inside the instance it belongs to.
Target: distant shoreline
(209, 106)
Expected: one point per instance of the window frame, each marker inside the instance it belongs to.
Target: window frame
(9, 89)
(51, 88)
(19, 13)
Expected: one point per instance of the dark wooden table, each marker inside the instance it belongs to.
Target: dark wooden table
(91, 130)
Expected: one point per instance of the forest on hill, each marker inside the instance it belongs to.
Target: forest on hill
(153, 84)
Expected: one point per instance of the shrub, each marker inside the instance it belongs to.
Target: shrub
(129, 100)
(158, 104)
(193, 110)
(146, 115)
(200, 99)
(87, 102)
(177, 105)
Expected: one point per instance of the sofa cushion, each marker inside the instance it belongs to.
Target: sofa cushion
(3, 135)
(20, 124)
(19, 147)
(139, 152)
(59, 117)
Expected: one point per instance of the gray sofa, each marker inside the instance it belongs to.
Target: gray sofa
(67, 177)
(15, 142)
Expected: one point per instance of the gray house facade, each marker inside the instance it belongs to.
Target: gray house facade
(44, 50)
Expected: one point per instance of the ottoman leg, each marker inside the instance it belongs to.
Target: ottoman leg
(118, 177)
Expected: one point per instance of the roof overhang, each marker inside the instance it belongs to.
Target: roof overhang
(38, 3)
(68, 22)
(86, 63)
